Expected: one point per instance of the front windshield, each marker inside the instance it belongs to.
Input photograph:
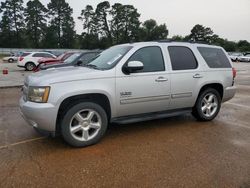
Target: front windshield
(109, 58)
(61, 56)
(72, 58)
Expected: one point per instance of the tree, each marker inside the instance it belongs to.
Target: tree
(200, 33)
(62, 21)
(35, 14)
(88, 17)
(102, 11)
(243, 46)
(152, 31)
(12, 22)
(125, 23)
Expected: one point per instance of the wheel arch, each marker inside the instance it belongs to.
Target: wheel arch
(217, 86)
(70, 101)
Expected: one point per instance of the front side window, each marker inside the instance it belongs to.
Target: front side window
(214, 57)
(151, 57)
(182, 58)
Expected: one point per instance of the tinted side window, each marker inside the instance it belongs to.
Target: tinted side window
(25, 54)
(182, 58)
(47, 55)
(39, 55)
(151, 57)
(214, 57)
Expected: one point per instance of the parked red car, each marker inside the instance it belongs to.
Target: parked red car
(51, 61)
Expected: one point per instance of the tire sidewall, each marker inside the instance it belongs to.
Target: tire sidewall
(199, 103)
(65, 124)
(26, 66)
(11, 60)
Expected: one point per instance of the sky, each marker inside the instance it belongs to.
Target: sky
(227, 18)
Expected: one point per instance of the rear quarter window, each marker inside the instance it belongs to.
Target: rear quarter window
(25, 54)
(214, 57)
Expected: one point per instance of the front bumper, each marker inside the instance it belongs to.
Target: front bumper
(41, 116)
(229, 93)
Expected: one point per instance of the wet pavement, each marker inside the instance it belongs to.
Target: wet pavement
(172, 152)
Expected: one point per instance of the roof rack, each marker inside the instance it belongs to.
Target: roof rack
(192, 42)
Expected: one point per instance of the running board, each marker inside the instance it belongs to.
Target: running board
(150, 116)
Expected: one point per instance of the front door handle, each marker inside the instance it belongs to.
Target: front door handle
(197, 76)
(161, 79)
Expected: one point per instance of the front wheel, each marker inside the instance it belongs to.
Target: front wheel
(207, 105)
(30, 66)
(84, 124)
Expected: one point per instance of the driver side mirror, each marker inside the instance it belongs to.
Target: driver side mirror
(133, 66)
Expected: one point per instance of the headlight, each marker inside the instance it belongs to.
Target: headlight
(38, 94)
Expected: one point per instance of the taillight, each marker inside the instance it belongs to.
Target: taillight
(21, 58)
(234, 72)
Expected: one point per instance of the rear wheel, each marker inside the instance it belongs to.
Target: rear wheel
(30, 66)
(10, 60)
(84, 124)
(207, 105)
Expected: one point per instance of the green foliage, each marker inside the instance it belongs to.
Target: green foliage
(35, 18)
(103, 26)
(12, 23)
(61, 20)
(152, 31)
(199, 33)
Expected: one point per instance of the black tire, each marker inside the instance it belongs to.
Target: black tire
(30, 66)
(10, 60)
(197, 109)
(69, 118)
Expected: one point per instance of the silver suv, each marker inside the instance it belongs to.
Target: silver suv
(128, 83)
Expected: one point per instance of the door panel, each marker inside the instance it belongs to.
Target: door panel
(146, 90)
(138, 94)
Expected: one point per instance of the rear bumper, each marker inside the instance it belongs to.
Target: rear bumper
(229, 93)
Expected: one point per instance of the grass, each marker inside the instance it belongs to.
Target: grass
(2, 55)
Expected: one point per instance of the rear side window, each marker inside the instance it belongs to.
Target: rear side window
(151, 57)
(25, 54)
(48, 55)
(182, 58)
(214, 57)
(42, 55)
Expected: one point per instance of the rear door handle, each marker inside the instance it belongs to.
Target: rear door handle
(197, 76)
(161, 79)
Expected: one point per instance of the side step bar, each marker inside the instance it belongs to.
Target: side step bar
(150, 116)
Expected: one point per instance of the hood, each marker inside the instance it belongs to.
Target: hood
(64, 74)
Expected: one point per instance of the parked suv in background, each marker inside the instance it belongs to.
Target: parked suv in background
(128, 83)
(29, 60)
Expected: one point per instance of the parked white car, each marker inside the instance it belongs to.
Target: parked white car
(13, 57)
(244, 58)
(29, 60)
(234, 56)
